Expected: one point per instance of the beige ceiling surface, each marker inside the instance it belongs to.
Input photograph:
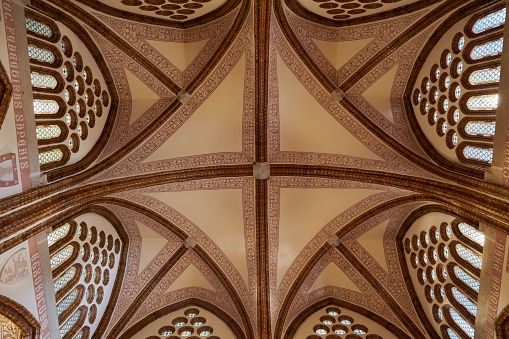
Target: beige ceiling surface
(180, 54)
(219, 214)
(216, 126)
(304, 212)
(307, 127)
(340, 52)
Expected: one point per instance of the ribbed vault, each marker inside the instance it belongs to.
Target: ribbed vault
(263, 163)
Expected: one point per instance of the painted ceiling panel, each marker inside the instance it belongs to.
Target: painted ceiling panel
(180, 54)
(304, 212)
(191, 277)
(307, 127)
(151, 243)
(142, 96)
(373, 243)
(380, 93)
(332, 275)
(213, 210)
(215, 127)
(340, 52)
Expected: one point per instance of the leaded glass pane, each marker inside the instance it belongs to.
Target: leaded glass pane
(40, 54)
(466, 278)
(45, 106)
(491, 20)
(58, 234)
(47, 132)
(485, 76)
(61, 256)
(38, 27)
(477, 153)
(50, 156)
(483, 102)
(64, 304)
(64, 279)
(462, 323)
(468, 255)
(452, 334)
(43, 80)
(463, 300)
(70, 323)
(471, 233)
(482, 128)
(488, 49)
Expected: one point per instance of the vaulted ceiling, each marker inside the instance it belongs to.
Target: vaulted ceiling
(262, 159)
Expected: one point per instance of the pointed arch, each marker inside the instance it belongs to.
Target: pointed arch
(20, 316)
(225, 317)
(331, 301)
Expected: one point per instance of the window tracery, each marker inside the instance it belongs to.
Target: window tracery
(66, 94)
(449, 280)
(190, 323)
(457, 98)
(335, 324)
(84, 270)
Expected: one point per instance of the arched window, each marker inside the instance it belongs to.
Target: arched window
(68, 100)
(456, 91)
(445, 262)
(84, 260)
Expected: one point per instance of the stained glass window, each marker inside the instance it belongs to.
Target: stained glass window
(462, 323)
(40, 54)
(64, 279)
(463, 300)
(491, 20)
(466, 278)
(64, 304)
(47, 132)
(43, 80)
(58, 234)
(468, 255)
(487, 49)
(482, 128)
(452, 334)
(483, 102)
(61, 256)
(471, 233)
(45, 106)
(485, 76)
(50, 156)
(70, 323)
(477, 153)
(38, 27)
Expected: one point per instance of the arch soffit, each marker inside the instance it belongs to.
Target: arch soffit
(20, 316)
(227, 319)
(299, 320)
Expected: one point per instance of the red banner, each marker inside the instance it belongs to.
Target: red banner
(495, 283)
(40, 297)
(19, 113)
